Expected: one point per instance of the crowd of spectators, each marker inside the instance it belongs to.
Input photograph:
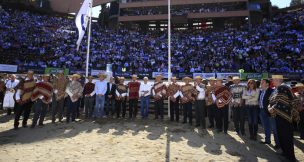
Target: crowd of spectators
(33, 40)
(184, 9)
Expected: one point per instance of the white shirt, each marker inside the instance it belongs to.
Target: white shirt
(18, 94)
(110, 86)
(10, 85)
(145, 87)
(100, 88)
(202, 94)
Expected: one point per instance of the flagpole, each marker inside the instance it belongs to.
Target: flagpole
(169, 50)
(89, 39)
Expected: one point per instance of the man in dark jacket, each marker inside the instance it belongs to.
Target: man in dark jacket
(110, 97)
(267, 121)
(281, 106)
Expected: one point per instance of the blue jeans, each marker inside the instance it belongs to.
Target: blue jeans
(40, 110)
(252, 112)
(269, 125)
(99, 106)
(144, 106)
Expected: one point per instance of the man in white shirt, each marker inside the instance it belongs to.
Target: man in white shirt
(144, 94)
(100, 91)
(200, 104)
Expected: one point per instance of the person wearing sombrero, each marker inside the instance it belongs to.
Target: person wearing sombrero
(121, 97)
(42, 98)
(222, 98)
(74, 91)
(210, 103)
(159, 92)
(60, 83)
(133, 94)
(188, 95)
(100, 91)
(88, 93)
(300, 95)
(237, 105)
(23, 99)
(281, 108)
(173, 94)
(200, 104)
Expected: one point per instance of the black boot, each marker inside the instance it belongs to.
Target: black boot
(251, 131)
(9, 111)
(255, 131)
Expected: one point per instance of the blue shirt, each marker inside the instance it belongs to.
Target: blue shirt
(100, 87)
(262, 98)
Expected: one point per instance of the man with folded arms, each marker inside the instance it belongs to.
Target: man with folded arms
(144, 93)
(89, 97)
(120, 97)
(173, 94)
(59, 84)
(237, 105)
(23, 99)
(159, 91)
(133, 87)
(188, 94)
(110, 97)
(42, 97)
(74, 91)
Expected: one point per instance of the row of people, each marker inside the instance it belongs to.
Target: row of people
(274, 106)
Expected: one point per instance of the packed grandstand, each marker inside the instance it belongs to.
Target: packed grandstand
(37, 41)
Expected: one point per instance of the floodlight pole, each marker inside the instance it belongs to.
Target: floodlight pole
(89, 39)
(169, 51)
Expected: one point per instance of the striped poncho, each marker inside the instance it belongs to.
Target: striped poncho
(285, 103)
(44, 91)
(27, 90)
(223, 96)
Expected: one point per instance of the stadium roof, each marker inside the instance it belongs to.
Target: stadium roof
(69, 6)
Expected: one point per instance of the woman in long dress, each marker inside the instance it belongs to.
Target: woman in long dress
(8, 101)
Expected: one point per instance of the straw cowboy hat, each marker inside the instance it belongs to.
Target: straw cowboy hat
(173, 78)
(278, 77)
(90, 77)
(30, 72)
(219, 79)
(187, 79)
(299, 85)
(159, 77)
(212, 79)
(236, 78)
(121, 78)
(46, 75)
(198, 78)
(76, 76)
(134, 76)
(102, 75)
(60, 72)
